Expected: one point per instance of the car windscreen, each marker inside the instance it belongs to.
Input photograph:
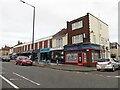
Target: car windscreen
(22, 58)
(103, 60)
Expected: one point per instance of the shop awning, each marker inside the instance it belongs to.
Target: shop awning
(82, 46)
(43, 50)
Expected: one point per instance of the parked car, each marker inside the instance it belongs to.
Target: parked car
(5, 58)
(23, 60)
(108, 64)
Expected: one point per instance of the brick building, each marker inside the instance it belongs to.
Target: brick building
(41, 48)
(83, 42)
(88, 40)
(4, 50)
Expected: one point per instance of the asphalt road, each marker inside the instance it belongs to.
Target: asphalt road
(15, 76)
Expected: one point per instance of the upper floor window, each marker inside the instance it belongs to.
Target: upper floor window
(59, 43)
(77, 39)
(94, 38)
(77, 25)
(103, 41)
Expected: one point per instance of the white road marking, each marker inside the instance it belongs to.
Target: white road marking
(13, 85)
(12, 79)
(26, 78)
(117, 76)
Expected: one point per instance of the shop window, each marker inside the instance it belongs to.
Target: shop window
(95, 56)
(71, 57)
(106, 54)
(57, 54)
(52, 55)
(85, 57)
(102, 55)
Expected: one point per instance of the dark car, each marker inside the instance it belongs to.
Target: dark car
(23, 60)
(5, 58)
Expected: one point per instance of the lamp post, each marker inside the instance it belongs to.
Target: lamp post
(33, 26)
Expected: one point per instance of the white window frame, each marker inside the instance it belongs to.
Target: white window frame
(77, 39)
(59, 42)
(95, 56)
(77, 25)
(85, 57)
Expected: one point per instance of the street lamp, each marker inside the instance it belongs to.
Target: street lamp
(33, 26)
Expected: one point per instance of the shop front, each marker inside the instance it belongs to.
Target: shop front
(26, 53)
(82, 54)
(31, 55)
(45, 55)
(57, 54)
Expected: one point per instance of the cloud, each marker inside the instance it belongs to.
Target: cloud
(51, 16)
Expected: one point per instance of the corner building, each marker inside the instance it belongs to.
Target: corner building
(88, 40)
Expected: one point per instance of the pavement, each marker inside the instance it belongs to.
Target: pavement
(64, 67)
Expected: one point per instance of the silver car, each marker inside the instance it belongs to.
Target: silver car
(108, 64)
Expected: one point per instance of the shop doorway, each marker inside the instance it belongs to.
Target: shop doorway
(80, 58)
(45, 57)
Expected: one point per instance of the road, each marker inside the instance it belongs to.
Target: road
(15, 76)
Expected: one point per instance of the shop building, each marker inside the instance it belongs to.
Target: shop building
(59, 40)
(83, 42)
(88, 40)
(23, 49)
(41, 47)
(4, 51)
(115, 50)
(45, 46)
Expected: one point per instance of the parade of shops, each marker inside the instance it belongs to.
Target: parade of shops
(84, 41)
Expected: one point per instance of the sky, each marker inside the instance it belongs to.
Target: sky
(16, 18)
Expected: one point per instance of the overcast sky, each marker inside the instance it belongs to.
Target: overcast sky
(51, 16)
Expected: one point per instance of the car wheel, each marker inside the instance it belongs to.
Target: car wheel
(21, 64)
(98, 69)
(16, 63)
(118, 67)
(113, 69)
